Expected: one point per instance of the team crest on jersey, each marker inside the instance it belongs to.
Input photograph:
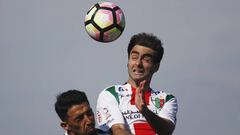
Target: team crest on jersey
(120, 89)
(157, 102)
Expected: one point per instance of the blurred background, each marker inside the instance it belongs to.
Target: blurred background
(44, 50)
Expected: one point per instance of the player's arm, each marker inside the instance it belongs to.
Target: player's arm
(160, 125)
(119, 129)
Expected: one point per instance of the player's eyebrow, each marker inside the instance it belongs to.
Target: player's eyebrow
(147, 55)
(135, 52)
(144, 55)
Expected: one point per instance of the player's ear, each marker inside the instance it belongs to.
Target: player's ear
(64, 125)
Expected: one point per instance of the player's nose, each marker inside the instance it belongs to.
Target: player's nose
(138, 61)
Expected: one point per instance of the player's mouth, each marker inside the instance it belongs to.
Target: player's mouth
(90, 129)
(138, 72)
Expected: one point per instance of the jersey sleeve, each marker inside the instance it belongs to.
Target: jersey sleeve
(107, 109)
(169, 110)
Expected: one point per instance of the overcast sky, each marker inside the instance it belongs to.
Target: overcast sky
(44, 50)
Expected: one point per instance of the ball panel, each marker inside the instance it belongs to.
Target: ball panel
(120, 18)
(107, 4)
(103, 18)
(93, 32)
(111, 35)
(90, 13)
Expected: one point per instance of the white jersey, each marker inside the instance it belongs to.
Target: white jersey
(116, 105)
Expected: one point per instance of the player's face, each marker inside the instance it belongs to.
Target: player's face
(80, 120)
(141, 64)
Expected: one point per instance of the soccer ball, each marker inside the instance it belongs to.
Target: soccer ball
(105, 22)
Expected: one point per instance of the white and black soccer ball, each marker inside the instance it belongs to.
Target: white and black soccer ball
(105, 22)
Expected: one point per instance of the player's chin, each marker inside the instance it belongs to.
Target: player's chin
(91, 131)
(138, 79)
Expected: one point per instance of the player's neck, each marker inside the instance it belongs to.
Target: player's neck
(136, 84)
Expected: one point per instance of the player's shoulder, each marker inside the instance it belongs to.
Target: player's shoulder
(114, 88)
(111, 90)
(162, 94)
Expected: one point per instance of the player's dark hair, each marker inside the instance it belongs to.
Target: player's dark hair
(66, 100)
(147, 40)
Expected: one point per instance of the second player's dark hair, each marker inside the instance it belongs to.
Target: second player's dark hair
(66, 100)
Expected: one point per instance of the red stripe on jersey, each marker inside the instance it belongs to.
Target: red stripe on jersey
(147, 95)
(143, 129)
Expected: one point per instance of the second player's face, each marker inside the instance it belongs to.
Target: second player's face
(81, 120)
(141, 64)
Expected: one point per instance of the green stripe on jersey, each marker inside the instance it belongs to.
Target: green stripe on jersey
(169, 97)
(113, 92)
